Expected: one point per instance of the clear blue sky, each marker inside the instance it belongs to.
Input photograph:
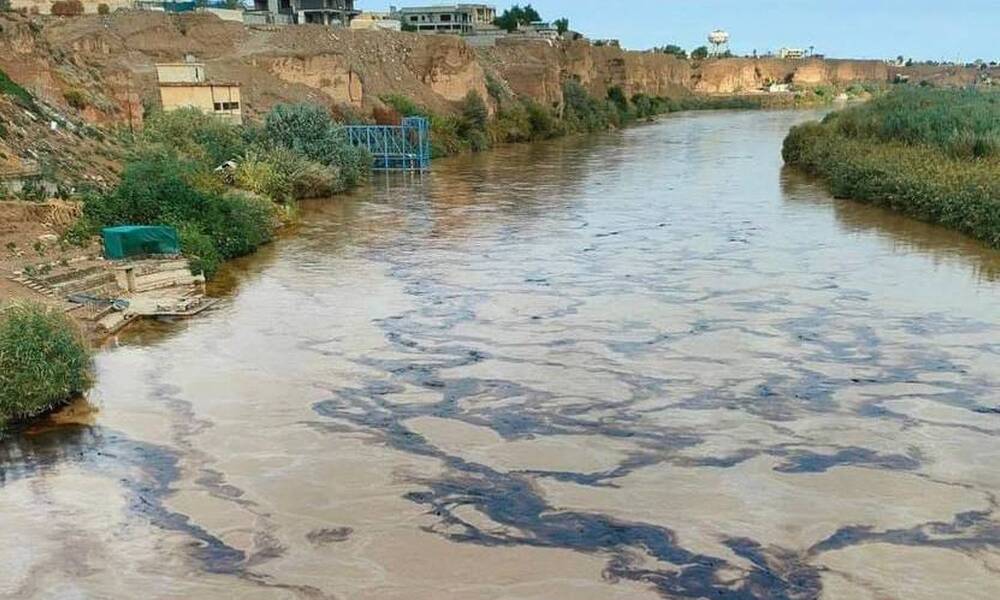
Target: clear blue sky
(922, 29)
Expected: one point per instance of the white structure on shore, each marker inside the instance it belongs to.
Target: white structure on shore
(792, 53)
(719, 42)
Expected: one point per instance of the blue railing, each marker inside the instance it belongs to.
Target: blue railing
(403, 147)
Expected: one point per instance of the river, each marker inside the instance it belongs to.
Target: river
(646, 364)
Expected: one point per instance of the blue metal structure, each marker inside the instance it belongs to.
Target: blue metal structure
(403, 147)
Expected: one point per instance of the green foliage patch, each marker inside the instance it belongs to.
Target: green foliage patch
(10, 88)
(902, 159)
(43, 360)
(963, 123)
(179, 173)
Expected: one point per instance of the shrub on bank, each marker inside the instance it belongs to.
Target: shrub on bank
(923, 181)
(200, 250)
(524, 120)
(171, 178)
(198, 136)
(257, 174)
(583, 112)
(310, 131)
(963, 123)
(158, 187)
(43, 360)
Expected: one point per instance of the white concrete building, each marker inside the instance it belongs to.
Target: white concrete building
(448, 18)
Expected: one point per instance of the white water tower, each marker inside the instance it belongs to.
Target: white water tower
(719, 41)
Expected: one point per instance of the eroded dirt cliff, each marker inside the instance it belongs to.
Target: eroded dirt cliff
(101, 70)
(110, 61)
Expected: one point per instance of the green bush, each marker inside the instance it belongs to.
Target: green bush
(9, 88)
(75, 98)
(920, 180)
(516, 16)
(200, 250)
(161, 188)
(43, 360)
(307, 179)
(543, 122)
(237, 223)
(445, 137)
(80, 233)
(474, 112)
(403, 105)
(309, 130)
(199, 136)
(257, 174)
(474, 121)
(964, 123)
(523, 120)
(620, 102)
(582, 112)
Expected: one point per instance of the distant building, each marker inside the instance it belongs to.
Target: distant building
(184, 85)
(451, 18)
(540, 28)
(793, 53)
(376, 20)
(323, 12)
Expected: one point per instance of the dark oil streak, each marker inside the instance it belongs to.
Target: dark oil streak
(111, 453)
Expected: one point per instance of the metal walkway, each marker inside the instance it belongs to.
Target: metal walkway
(404, 147)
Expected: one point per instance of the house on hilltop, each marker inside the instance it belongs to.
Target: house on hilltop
(446, 18)
(323, 12)
(184, 85)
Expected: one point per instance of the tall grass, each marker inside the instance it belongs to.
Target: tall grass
(928, 153)
(43, 360)
(963, 123)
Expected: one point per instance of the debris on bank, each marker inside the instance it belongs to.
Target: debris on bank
(141, 274)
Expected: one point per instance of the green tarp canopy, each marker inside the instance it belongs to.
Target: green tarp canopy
(139, 240)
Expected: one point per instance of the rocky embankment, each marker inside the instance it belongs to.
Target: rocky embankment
(107, 63)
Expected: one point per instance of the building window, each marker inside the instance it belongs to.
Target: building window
(446, 18)
(226, 106)
(414, 19)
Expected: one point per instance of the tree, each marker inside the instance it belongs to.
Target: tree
(4, 5)
(700, 53)
(516, 16)
(562, 25)
(475, 115)
(673, 49)
(67, 8)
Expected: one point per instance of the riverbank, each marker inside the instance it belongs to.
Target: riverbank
(454, 382)
(930, 154)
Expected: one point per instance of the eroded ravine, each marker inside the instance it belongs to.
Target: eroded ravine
(646, 364)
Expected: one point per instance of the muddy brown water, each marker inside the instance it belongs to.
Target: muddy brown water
(648, 364)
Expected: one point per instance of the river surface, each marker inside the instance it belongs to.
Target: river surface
(647, 364)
